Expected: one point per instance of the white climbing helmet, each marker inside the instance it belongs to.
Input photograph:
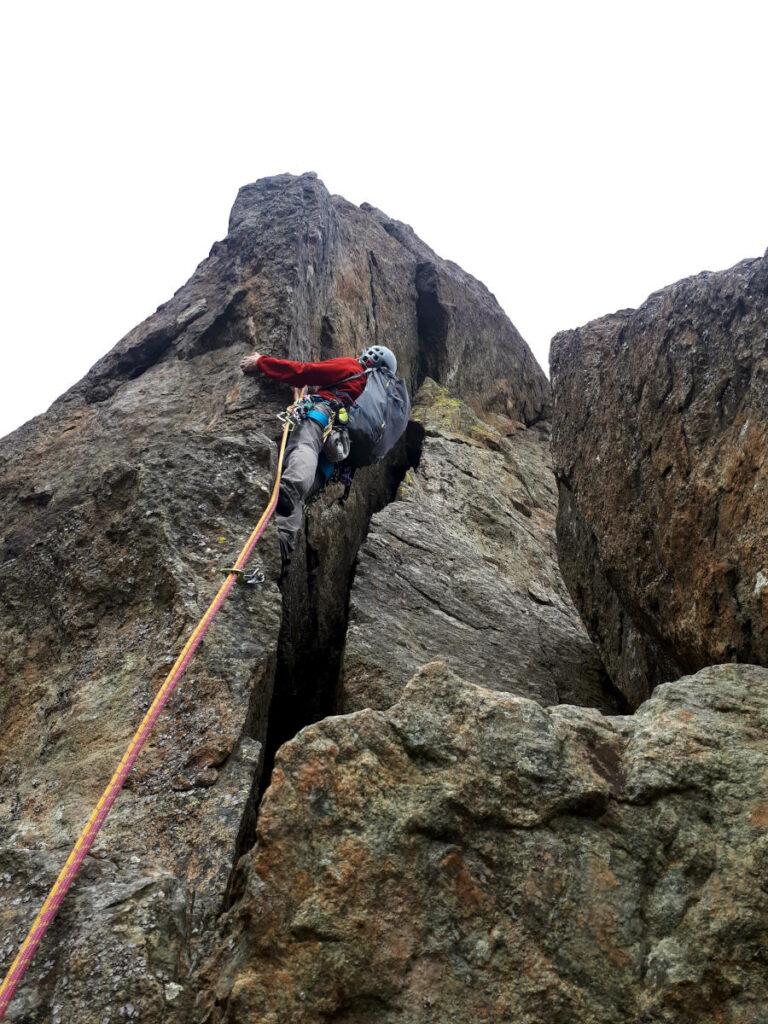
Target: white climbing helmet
(379, 355)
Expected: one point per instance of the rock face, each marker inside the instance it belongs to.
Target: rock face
(463, 567)
(120, 506)
(471, 856)
(660, 442)
(464, 843)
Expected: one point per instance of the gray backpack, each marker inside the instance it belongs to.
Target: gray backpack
(378, 418)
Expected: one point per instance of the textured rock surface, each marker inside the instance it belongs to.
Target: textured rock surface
(660, 443)
(119, 507)
(463, 567)
(471, 856)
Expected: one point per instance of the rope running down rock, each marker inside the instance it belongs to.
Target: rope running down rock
(87, 837)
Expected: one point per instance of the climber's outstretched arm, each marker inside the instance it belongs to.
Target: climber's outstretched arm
(330, 371)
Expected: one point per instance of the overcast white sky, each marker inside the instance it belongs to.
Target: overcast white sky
(573, 156)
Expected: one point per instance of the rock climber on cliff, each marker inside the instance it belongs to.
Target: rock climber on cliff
(320, 427)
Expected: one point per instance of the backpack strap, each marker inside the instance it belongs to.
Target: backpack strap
(355, 376)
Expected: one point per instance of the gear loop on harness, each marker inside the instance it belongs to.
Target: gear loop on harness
(92, 828)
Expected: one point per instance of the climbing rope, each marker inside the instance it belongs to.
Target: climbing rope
(86, 839)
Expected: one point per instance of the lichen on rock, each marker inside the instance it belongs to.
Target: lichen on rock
(463, 567)
(470, 855)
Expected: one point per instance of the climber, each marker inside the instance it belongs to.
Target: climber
(340, 382)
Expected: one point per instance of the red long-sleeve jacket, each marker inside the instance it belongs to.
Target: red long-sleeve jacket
(329, 371)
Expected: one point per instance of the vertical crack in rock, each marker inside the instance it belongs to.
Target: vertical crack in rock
(373, 321)
(327, 338)
(315, 612)
(433, 321)
(316, 599)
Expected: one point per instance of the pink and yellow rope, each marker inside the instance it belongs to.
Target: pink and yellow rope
(87, 837)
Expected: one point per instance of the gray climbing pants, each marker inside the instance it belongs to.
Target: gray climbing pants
(300, 478)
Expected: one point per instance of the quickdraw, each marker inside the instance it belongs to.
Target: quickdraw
(247, 577)
(295, 414)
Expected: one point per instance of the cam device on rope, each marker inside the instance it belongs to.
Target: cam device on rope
(248, 577)
(94, 824)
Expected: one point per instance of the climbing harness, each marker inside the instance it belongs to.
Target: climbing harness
(319, 417)
(336, 441)
(374, 421)
(87, 837)
(296, 413)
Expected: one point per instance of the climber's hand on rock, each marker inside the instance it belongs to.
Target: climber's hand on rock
(248, 364)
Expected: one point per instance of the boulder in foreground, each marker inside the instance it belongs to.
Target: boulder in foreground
(471, 856)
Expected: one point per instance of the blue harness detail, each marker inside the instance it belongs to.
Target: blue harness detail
(320, 417)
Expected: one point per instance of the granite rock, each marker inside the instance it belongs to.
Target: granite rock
(468, 855)
(463, 567)
(660, 440)
(119, 507)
